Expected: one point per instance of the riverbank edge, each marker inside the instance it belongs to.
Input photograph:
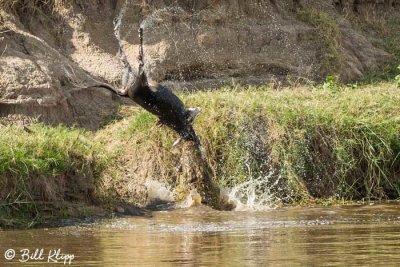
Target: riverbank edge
(87, 173)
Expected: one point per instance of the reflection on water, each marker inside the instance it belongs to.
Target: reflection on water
(345, 236)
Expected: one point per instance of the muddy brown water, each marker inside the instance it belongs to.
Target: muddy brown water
(199, 236)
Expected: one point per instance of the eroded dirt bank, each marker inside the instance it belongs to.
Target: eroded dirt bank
(52, 50)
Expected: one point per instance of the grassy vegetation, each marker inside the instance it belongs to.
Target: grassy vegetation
(328, 34)
(45, 166)
(332, 141)
(328, 142)
(341, 143)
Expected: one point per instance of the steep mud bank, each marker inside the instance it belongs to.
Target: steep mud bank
(52, 50)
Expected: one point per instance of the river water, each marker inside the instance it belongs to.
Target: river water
(199, 236)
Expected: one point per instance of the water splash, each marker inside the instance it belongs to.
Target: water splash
(158, 192)
(256, 194)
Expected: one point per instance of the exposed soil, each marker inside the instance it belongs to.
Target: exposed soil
(52, 50)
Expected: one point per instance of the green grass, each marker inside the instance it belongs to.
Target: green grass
(328, 142)
(39, 165)
(322, 143)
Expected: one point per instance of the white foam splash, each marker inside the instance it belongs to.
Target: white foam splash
(157, 191)
(256, 194)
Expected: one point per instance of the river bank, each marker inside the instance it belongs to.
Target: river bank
(296, 145)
